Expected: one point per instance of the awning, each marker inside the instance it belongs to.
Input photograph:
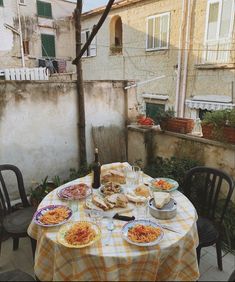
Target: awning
(210, 102)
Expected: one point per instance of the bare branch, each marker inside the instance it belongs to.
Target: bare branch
(94, 30)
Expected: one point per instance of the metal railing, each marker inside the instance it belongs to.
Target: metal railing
(216, 53)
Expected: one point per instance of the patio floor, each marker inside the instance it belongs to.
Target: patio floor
(22, 259)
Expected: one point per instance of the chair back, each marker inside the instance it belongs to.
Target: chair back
(203, 187)
(5, 202)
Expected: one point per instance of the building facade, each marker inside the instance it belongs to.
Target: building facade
(179, 54)
(40, 30)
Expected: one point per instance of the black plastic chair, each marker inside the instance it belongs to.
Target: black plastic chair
(232, 277)
(203, 186)
(14, 221)
(15, 275)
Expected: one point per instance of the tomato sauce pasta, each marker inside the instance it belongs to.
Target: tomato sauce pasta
(54, 216)
(143, 234)
(81, 233)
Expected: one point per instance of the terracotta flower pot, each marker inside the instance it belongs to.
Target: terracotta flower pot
(180, 125)
(225, 133)
(229, 134)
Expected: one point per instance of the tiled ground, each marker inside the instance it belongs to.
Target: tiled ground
(22, 259)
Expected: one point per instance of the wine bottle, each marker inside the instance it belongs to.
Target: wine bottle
(96, 171)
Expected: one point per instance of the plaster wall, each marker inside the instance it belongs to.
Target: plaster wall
(38, 124)
(135, 63)
(61, 26)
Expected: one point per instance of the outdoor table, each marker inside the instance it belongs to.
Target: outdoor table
(172, 259)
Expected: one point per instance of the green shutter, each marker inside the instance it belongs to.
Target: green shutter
(152, 110)
(48, 45)
(44, 9)
(1, 2)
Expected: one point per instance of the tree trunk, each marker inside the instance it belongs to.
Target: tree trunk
(80, 89)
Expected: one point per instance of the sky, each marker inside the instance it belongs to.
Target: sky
(92, 4)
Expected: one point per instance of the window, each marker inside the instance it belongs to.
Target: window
(91, 50)
(218, 34)
(153, 110)
(48, 45)
(158, 32)
(1, 3)
(44, 9)
(116, 35)
(26, 47)
(22, 2)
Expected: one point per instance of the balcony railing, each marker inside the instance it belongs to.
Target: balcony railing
(216, 53)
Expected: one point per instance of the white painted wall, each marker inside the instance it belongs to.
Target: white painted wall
(38, 124)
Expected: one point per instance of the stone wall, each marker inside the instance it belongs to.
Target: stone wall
(146, 144)
(38, 123)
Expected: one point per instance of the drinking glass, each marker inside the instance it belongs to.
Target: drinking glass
(130, 177)
(137, 173)
(142, 209)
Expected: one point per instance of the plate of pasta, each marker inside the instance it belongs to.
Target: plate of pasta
(142, 232)
(52, 215)
(78, 234)
(164, 184)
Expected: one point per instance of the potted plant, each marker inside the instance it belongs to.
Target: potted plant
(41, 190)
(219, 125)
(168, 121)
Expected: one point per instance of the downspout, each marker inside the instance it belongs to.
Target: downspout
(179, 61)
(186, 55)
(20, 33)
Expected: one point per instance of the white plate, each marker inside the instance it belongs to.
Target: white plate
(133, 223)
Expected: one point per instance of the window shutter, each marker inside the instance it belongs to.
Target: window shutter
(150, 34)
(48, 45)
(44, 9)
(93, 47)
(47, 10)
(226, 18)
(40, 8)
(164, 30)
(1, 2)
(83, 41)
(213, 21)
(157, 33)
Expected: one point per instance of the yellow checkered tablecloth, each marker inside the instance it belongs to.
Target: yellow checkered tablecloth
(173, 259)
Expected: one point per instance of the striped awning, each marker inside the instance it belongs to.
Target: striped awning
(210, 102)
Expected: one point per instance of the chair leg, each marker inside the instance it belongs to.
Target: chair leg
(15, 244)
(198, 255)
(33, 246)
(219, 255)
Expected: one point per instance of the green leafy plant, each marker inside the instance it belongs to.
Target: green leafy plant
(163, 115)
(218, 120)
(41, 190)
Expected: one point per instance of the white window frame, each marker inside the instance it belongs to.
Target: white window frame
(94, 42)
(168, 31)
(218, 39)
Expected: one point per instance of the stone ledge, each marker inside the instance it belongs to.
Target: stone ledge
(183, 136)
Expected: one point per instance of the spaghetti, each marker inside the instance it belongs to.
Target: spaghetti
(143, 233)
(80, 234)
(55, 216)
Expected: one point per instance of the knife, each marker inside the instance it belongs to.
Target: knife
(113, 214)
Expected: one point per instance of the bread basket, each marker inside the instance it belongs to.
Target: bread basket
(168, 211)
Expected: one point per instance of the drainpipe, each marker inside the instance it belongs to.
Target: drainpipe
(186, 54)
(179, 61)
(20, 33)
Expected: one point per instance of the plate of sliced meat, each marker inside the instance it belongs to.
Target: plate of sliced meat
(75, 192)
